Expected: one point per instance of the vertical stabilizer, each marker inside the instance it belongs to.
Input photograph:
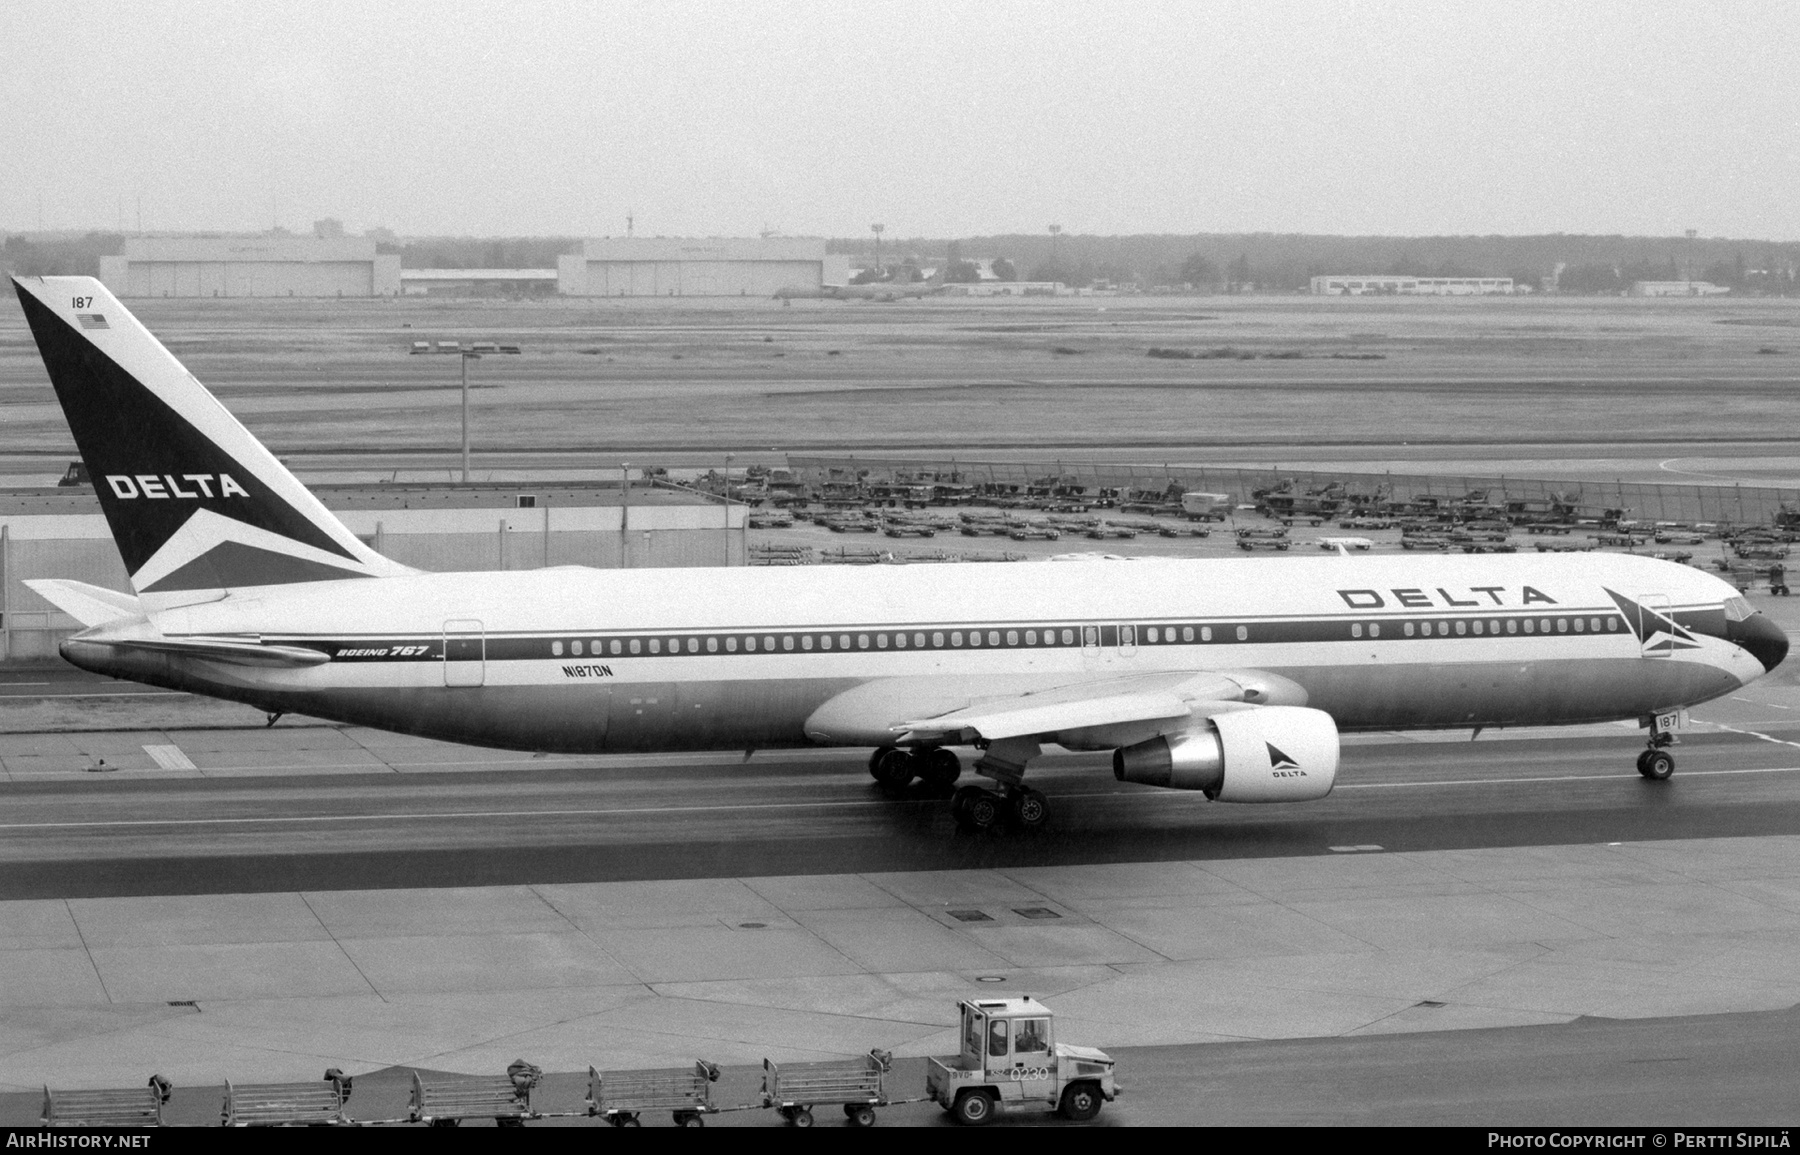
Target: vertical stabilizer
(196, 504)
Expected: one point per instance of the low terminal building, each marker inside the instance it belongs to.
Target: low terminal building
(50, 533)
(1007, 289)
(1676, 289)
(251, 267)
(714, 267)
(1351, 285)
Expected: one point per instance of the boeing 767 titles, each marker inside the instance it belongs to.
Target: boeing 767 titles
(1234, 677)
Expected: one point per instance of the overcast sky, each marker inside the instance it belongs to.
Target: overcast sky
(936, 119)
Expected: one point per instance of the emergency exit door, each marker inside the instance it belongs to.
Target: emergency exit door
(465, 652)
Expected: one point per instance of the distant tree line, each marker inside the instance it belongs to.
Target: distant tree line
(1205, 262)
(1280, 262)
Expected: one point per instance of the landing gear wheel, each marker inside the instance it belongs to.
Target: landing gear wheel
(975, 808)
(1080, 1102)
(1656, 765)
(939, 768)
(973, 1108)
(1028, 808)
(894, 769)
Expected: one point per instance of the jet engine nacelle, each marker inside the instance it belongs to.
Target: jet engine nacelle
(1268, 754)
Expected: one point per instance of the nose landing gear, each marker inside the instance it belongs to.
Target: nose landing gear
(1657, 763)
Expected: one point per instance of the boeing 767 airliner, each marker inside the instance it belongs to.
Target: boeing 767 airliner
(1233, 677)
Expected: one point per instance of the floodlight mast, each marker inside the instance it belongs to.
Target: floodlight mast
(467, 357)
(878, 230)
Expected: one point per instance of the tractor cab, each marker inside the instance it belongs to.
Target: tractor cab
(1010, 1055)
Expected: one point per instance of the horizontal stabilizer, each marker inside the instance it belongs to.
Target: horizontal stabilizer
(236, 650)
(89, 605)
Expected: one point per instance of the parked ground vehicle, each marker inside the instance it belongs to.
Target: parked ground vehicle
(1009, 1058)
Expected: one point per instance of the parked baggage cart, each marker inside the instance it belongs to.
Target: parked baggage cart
(287, 1104)
(128, 1107)
(620, 1097)
(858, 1085)
(505, 1099)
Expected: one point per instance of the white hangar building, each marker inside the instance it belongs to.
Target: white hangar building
(251, 267)
(714, 267)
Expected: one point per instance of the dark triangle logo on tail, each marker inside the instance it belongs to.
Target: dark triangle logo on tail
(1280, 761)
(1656, 632)
(153, 469)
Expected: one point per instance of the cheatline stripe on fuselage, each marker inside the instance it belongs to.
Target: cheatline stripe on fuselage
(1013, 635)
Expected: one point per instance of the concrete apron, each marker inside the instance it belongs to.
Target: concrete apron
(643, 974)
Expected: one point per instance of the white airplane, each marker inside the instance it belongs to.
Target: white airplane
(1234, 676)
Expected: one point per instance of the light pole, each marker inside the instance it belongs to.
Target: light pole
(878, 230)
(466, 358)
(624, 507)
(1691, 233)
(728, 509)
(1055, 231)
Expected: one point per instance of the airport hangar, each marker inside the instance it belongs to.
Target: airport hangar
(251, 267)
(710, 267)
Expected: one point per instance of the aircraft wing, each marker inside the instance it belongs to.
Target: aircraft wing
(1073, 708)
(899, 711)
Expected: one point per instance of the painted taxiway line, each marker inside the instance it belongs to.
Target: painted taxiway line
(627, 811)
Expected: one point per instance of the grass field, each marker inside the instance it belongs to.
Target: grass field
(642, 376)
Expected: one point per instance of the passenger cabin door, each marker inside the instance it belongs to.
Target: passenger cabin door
(465, 652)
(1653, 625)
(1127, 640)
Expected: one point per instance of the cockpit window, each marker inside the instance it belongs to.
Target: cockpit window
(1737, 609)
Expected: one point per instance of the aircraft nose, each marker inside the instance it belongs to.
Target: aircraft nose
(1766, 641)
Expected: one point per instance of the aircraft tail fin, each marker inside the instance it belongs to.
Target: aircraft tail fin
(195, 502)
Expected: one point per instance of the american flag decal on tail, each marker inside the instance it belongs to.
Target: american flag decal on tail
(92, 320)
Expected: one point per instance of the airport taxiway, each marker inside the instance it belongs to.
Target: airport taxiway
(374, 909)
(264, 903)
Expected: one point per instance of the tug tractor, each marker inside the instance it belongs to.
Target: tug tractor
(1010, 1057)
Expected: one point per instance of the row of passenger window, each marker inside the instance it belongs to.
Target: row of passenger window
(1069, 636)
(1490, 627)
(898, 640)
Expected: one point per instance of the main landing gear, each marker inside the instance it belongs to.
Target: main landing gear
(977, 808)
(974, 807)
(895, 768)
